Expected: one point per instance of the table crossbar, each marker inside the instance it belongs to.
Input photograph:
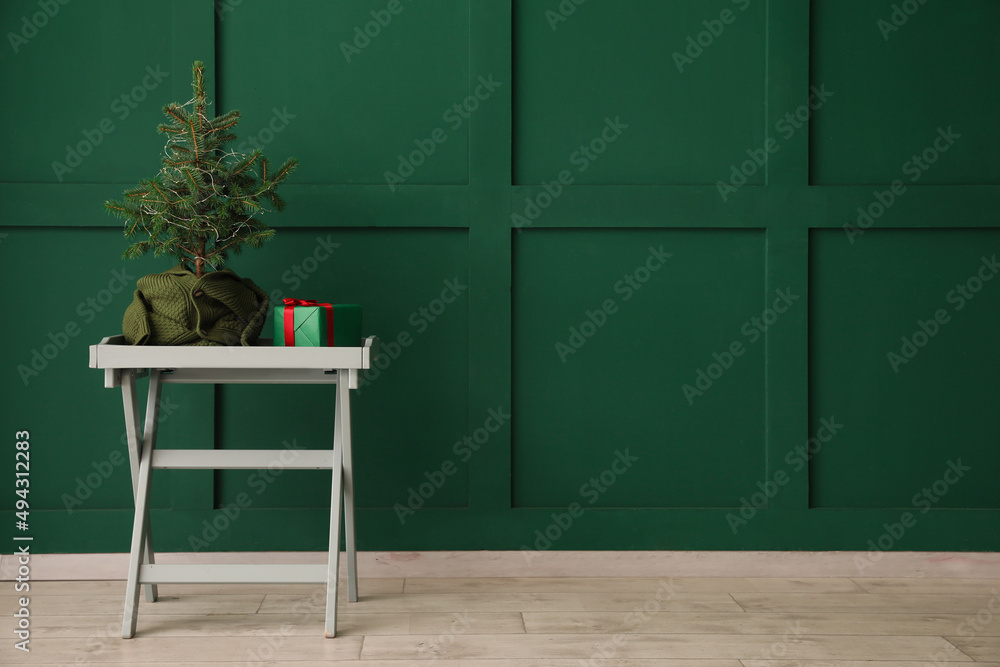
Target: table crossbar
(243, 459)
(216, 573)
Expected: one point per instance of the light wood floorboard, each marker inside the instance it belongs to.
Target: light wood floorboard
(67, 588)
(832, 623)
(582, 647)
(639, 585)
(856, 663)
(153, 650)
(524, 622)
(980, 648)
(918, 603)
(931, 586)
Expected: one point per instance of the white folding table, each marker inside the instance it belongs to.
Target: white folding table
(262, 363)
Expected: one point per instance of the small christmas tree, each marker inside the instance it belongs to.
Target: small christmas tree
(206, 201)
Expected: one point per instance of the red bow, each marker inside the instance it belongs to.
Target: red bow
(289, 319)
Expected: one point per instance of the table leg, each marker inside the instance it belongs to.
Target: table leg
(336, 495)
(344, 394)
(133, 438)
(140, 525)
(149, 442)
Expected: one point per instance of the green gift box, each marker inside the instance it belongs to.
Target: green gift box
(302, 323)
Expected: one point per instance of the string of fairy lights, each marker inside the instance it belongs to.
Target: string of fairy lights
(171, 212)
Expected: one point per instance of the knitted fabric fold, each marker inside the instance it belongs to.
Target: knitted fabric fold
(177, 308)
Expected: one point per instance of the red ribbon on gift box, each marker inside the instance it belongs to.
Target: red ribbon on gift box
(289, 319)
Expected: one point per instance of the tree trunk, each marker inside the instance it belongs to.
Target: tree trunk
(199, 261)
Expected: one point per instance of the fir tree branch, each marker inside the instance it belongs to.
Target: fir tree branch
(223, 127)
(286, 169)
(246, 163)
(172, 110)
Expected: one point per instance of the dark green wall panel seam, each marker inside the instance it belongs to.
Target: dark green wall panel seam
(375, 206)
(811, 206)
(490, 251)
(490, 354)
(80, 205)
(785, 484)
(787, 90)
(490, 124)
(640, 206)
(919, 206)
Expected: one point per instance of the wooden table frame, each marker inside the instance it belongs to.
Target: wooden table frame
(262, 363)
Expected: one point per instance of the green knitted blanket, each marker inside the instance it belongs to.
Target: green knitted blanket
(177, 308)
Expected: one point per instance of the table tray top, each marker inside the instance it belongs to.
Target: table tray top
(114, 353)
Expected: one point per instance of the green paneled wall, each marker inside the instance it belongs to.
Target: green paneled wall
(85, 82)
(893, 92)
(622, 300)
(941, 380)
(355, 109)
(616, 59)
(682, 272)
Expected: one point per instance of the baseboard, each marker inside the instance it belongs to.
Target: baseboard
(795, 564)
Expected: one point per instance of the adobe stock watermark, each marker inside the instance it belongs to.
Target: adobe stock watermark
(914, 168)
(900, 14)
(752, 330)
(257, 481)
(584, 156)
(976, 623)
(122, 107)
(42, 356)
(460, 624)
(793, 634)
(946, 657)
(277, 124)
(958, 297)
(304, 610)
(30, 25)
(924, 500)
(797, 460)
(307, 266)
(594, 320)
(108, 637)
(364, 34)
(106, 467)
(696, 44)
(635, 619)
(785, 127)
(454, 116)
(590, 491)
(463, 450)
(421, 320)
(562, 12)
(225, 7)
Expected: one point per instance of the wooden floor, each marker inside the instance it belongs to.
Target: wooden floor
(529, 622)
